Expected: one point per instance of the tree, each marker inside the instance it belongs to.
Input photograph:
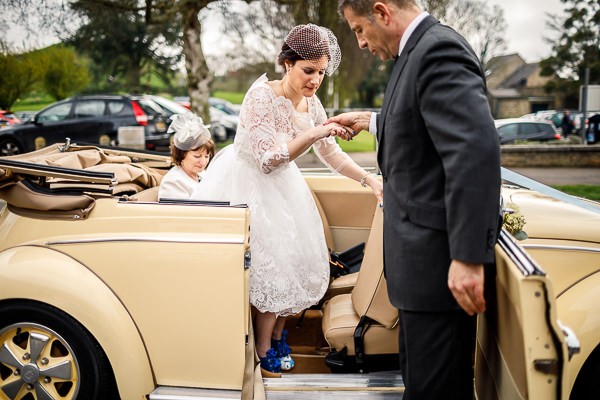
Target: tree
(577, 48)
(18, 73)
(65, 72)
(121, 56)
(260, 28)
(482, 26)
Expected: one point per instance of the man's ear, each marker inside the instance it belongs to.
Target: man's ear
(382, 12)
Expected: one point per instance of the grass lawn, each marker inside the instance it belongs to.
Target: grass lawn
(232, 97)
(364, 141)
(32, 103)
(590, 192)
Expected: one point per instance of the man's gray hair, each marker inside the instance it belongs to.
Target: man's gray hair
(365, 7)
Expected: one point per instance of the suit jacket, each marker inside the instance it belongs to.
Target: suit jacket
(439, 154)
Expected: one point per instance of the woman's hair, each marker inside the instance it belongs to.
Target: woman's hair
(177, 155)
(287, 54)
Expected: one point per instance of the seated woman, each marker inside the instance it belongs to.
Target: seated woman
(191, 152)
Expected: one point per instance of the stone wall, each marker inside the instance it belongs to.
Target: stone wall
(579, 156)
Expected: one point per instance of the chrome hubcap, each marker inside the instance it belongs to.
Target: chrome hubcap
(35, 360)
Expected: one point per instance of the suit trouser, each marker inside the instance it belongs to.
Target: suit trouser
(436, 350)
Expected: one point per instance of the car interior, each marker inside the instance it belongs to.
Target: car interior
(354, 327)
(351, 334)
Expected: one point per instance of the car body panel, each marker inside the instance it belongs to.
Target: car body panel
(524, 360)
(178, 235)
(580, 307)
(170, 279)
(81, 293)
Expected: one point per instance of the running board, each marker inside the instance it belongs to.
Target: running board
(372, 386)
(180, 393)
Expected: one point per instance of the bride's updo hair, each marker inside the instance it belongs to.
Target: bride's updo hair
(310, 42)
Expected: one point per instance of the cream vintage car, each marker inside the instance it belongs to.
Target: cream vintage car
(107, 292)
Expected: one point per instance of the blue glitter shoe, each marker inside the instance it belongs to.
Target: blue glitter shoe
(270, 362)
(283, 352)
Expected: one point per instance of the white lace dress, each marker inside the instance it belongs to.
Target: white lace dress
(290, 261)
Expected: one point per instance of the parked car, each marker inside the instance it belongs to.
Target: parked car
(221, 111)
(226, 106)
(87, 119)
(170, 107)
(25, 115)
(515, 129)
(228, 121)
(8, 118)
(99, 278)
(222, 104)
(184, 101)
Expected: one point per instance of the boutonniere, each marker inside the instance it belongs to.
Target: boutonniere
(513, 221)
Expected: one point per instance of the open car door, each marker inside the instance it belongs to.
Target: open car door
(521, 347)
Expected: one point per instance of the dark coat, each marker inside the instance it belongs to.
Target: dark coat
(439, 155)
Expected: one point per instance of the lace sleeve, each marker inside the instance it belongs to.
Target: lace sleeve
(327, 149)
(261, 126)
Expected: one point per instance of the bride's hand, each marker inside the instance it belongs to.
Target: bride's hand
(331, 129)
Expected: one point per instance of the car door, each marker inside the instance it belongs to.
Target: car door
(521, 350)
(87, 122)
(79, 120)
(529, 131)
(508, 133)
(45, 127)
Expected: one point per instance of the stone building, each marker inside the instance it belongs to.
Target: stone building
(515, 88)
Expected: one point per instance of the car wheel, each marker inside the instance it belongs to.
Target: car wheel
(9, 147)
(46, 354)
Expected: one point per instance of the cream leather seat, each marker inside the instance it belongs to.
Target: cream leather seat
(361, 327)
(345, 283)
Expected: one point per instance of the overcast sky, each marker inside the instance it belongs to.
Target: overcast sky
(526, 26)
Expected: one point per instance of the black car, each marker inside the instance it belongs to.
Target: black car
(94, 119)
(514, 129)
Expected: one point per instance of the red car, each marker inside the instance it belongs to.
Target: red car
(8, 118)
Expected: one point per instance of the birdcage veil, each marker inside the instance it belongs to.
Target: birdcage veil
(312, 42)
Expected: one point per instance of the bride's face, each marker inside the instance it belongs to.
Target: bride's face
(306, 76)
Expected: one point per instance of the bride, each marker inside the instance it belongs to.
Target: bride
(281, 120)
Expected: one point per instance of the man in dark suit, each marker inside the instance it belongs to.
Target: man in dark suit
(440, 159)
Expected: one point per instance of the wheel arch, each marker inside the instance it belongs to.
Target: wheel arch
(578, 308)
(29, 272)
(586, 382)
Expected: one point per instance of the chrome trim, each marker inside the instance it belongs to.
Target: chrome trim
(573, 344)
(143, 239)
(383, 381)
(180, 393)
(562, 248)
(247, 259)
(522, 260)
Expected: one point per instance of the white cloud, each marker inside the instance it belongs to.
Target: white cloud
(526, 26)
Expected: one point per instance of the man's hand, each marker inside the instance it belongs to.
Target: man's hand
(355, 120)
(465, 281)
